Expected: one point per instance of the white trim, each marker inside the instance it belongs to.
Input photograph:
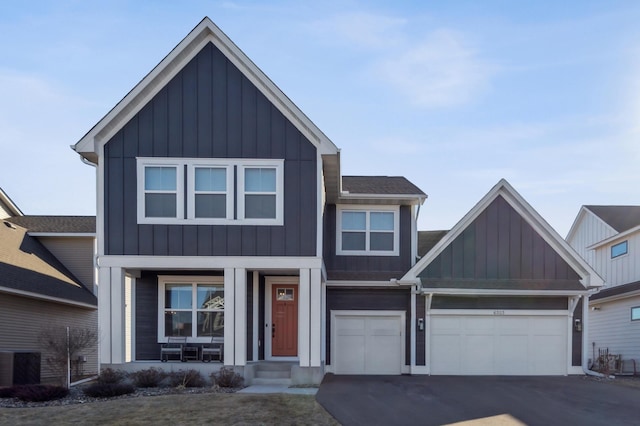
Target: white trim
(320, 209)
(414, 235)
(370, 313)
(304, 312)
(621, 236)
(503, 292)
(315, 318)
(613, 297)
(240, 312)
(193, 280)
(141, 165)
(341, 208)
(6, 200)
(589, 278)
(229, 316)
(244, 164)
(100, 211)
(419, 370)
(205, 32)
(256, 310)
(501, 312)
(104, 315)
(117, 316)
(413, 331)
(349, 197)
(62, 234)
(323, 323)
(39, 296)
(269, 282)
(210, 262)
(134, 284)
(194, 164)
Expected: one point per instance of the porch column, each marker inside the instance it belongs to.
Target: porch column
(315, 318)
(303, 317)
(229, 316)
(111, 315)
(240, 317)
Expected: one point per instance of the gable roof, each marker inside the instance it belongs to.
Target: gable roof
(7, 205)
(588, 277)
(619, 291)
(56, 224)
(27, 268)
(620, 218)
(379, 189)
(205, 32)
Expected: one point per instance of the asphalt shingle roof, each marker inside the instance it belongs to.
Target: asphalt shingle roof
(26, 265)
(57, 224)
(620, 218)
(387, 185)
(428, 239)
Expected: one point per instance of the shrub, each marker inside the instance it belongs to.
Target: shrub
(187, 379)
(8, 392)
(149, 378)
(110, 376)
(227, 378)
(40, 393)
(108, 390)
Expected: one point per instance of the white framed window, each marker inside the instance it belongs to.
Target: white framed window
(635, 313)
(619, 249)
(190, 306)
(260, 192)
(160, 198)
(210, 191)
(367, 231)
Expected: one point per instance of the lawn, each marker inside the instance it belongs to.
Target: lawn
(199, 409)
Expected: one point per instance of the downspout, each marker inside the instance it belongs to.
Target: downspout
(585, 335)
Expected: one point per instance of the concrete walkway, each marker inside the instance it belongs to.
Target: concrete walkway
(278, 389)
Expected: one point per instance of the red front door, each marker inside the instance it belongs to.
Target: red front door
(284, 320)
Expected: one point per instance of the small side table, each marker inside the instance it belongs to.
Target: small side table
(190, 353)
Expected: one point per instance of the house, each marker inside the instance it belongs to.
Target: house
(222, 213)
(608, 237)
(40, 289)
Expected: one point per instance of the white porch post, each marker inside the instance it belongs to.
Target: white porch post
(104, 314)
(303, 317)
(315, 318)
(118, 355)
(229, 316)
(240, 317)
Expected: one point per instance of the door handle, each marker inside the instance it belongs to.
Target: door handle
(273, 330)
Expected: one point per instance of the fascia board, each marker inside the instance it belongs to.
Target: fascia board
(206, 31)
(613, 238)
(502, 292)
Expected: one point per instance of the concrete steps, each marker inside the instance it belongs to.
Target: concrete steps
(272, 373)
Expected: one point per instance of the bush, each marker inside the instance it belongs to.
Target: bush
(227, 378)
(110, 376)
(187, 379)
(108, 390)
(149, 378)
(40, 393)
(8, 392)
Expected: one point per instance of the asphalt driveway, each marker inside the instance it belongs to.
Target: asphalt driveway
(438, 400)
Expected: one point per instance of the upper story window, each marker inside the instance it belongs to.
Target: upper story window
(367, 231)
(210, 191)
(635, 313)
(619, 249)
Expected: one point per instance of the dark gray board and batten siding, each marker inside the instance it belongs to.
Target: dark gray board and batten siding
(210, 110)
(372, 268)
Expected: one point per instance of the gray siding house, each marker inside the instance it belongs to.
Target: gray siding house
(222, 213)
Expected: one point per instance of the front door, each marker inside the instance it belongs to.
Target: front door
(284, 319)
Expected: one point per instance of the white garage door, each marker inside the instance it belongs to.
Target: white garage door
(498, 345)
(367, 344)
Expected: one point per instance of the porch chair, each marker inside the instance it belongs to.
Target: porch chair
(215, 348)
(173, 347)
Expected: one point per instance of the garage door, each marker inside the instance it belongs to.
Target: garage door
(498, 345)
(367, 344)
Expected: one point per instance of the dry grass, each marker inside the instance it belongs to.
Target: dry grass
(202, 409)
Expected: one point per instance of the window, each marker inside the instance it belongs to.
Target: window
(217, 191)
(635, 313)
(619, 249)
(191, 307)
(363, 231)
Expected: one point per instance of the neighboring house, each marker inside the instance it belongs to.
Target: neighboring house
(39, 289)
(608, 237)
(222, 213)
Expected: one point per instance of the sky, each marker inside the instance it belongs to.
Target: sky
(453, 95)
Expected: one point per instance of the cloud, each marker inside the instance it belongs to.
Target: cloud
(362, 30)
(438, 71)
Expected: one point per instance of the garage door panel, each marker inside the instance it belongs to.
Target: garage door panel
(498, 345)
(368, 344)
